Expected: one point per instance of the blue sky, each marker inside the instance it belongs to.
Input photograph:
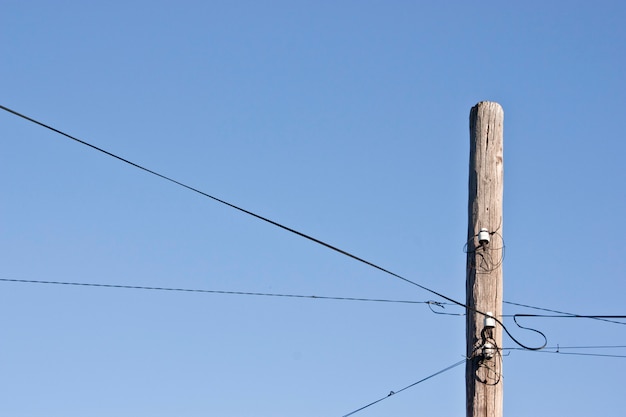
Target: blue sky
(347, 121)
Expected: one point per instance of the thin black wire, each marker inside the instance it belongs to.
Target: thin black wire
(562, 315)
(569, 316)
(281, 226)
(136, 287)
(560, 312)
(599, 355)
(558, 347)
(407, 387)
(443, 313)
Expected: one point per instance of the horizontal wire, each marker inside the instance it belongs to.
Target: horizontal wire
(279, 225)
(407, 387)
(558, 347)
(430, 303)
(600, 355)
(597, 355)
(137, 287)
(570, 316)
(562, 312)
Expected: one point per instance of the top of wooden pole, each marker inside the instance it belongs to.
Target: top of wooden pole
(488, 103)
(487, 107)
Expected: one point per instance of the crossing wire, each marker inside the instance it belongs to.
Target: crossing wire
(563, 312)
(281, 226)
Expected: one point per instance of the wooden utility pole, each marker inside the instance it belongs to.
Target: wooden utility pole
(485, 251)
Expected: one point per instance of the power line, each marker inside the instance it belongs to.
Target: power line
(597, 355)
(430, 303)
(391, 393)
(562, 312)
(566, 316)
(137, 287)
(558, 347)
(274, 223)
(570, 316)
(562, 315)
(559, 352)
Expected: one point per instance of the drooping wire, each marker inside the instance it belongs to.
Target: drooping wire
(391, 393)
(260, 294)
(274, 223)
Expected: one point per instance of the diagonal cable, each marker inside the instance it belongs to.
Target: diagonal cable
(279, 225)
(407, 387)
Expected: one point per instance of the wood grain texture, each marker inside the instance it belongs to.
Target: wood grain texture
(484, 382)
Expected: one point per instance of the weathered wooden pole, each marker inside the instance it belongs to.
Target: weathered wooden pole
(485, 251)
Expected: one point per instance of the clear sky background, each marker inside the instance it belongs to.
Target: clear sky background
(345, 120)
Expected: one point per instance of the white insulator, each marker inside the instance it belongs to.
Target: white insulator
(483, 236)
(490, 322)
